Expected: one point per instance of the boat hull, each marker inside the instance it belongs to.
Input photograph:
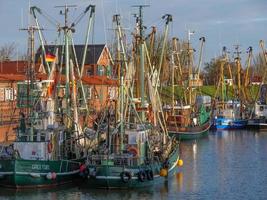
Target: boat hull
(229, 123)
(257, 124)
(20, 173)
(110, 176)
(190, 133)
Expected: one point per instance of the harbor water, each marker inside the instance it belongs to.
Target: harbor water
(223, 165)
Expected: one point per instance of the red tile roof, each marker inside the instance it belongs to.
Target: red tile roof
(16, 71)
(13, 67)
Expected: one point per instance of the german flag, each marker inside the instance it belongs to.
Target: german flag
(49, 57)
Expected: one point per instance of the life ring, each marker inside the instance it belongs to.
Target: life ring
(49, 147)
(149, 174)
(133, 150)
(141, 176)
(126, 177)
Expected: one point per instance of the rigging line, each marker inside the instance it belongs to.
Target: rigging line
(93, 31)
(155, 22)
(50, 19)
(74, 12)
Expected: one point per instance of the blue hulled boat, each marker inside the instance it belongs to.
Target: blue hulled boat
(229, 116)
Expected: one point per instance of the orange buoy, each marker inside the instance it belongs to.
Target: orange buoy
(163, 172)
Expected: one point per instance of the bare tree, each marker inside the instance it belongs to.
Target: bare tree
(7, 51)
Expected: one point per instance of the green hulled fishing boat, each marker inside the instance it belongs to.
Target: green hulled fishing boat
(133, 152)
(188, 117)
(40, 156)
(49, 148)
(140, 163)
(185, 126)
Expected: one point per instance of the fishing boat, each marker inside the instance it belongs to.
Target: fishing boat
(188, 119)
(134, 152)
(258, 116)
(229, 113)
(186, 126)
(37, 158)
(49, 148)
(229, 117)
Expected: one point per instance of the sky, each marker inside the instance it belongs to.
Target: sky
(221, 22)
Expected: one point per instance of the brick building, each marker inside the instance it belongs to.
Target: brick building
(99, 86)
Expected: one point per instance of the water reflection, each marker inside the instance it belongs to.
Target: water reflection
(225, 165)
(179, 181)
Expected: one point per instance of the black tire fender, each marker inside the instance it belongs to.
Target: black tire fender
(125, 177)
(142, 176)
(149, 174)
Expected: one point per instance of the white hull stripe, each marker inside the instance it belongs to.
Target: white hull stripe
(175, 164)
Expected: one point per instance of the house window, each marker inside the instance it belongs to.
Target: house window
(100, 70)
(90, 71)
(9, 95)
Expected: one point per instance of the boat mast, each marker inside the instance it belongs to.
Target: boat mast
(238, 65)
(116, 19)
(246, 79)
(66, 30)
(173, 70)
(30, 76)
(189, 65)
(168, 18)
(91, 18)
(202, 40)
(142, 58)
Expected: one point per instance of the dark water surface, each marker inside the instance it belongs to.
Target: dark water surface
(225, 165)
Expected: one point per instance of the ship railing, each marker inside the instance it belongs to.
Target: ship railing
(118, 160)
(39, 137)
(67, 164)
